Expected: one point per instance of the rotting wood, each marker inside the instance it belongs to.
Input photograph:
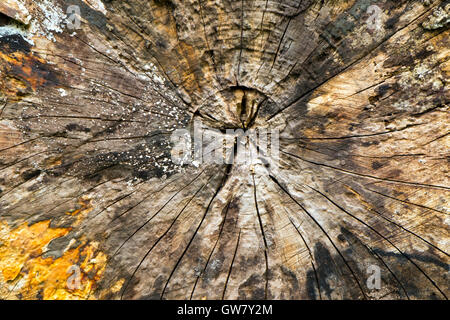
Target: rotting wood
(93, 207)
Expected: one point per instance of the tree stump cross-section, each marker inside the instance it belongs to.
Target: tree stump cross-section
(355, 204)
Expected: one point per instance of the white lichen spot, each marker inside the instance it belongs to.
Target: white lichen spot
(62, 92)
(422, 161)
(96, 5)
(51, 20)
(14, 29)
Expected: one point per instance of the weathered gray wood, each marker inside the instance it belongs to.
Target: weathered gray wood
(86, 177)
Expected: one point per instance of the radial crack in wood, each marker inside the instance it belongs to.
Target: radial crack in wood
(352, 94)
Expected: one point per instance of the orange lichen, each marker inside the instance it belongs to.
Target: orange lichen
(53, 162)
(117, 286)
(22, 73)
(26, 274)
(82, 212)
(52, 277)
(22, 243)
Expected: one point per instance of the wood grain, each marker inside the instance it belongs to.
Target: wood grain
(86, 176)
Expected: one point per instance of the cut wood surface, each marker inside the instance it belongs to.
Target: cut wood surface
(93, 207)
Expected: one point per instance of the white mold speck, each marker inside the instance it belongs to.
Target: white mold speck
(62, 92)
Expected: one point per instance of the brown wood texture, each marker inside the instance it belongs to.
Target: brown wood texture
(87, 180)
